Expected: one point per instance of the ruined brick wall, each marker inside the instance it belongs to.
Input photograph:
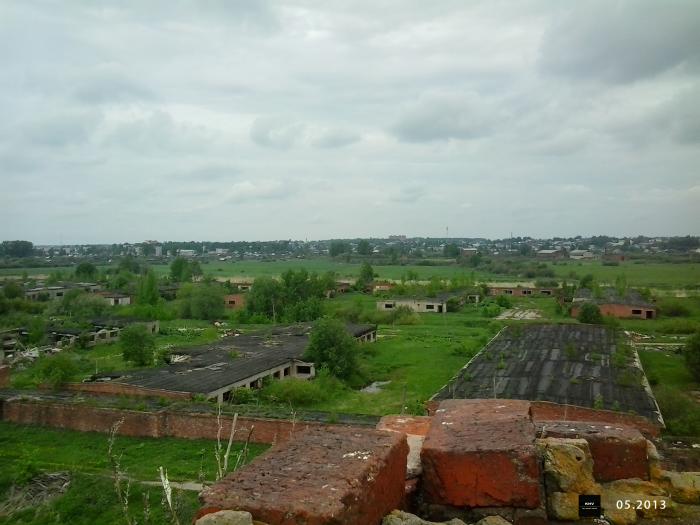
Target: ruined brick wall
(546, 411)
(116, 389)
(620, 311)
(163, 423)
(4, 376)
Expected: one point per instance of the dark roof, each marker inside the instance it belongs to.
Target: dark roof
(357, 330)
(229, 360)
(566, 364)
(610, 296)
(212, 367)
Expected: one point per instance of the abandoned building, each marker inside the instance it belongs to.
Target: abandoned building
(216, 370)
(234, 301)
(115, 298)
(51, 293)
(549, 254)
(582, 365)
(581, 255)
(631, 305)
(440, 303)
(381, 286)
(102, 331)
(521, 291)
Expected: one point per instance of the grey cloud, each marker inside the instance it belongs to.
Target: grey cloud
(622, 41)
(62, 129)
(111, 87)
(276, 132)
(157, 132)
(335, 138)
(446, 117)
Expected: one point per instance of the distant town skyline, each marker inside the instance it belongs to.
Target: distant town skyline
(293, 119)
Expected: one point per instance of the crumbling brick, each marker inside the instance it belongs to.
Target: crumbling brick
(619, 452)
(332, 476)
(481, 453)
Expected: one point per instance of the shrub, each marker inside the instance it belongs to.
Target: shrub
(681, 414)
(138, 344)
(331, 346)
(503, 301)
(57, 370)
(590, 314)
(297, 392)
(691, 353)
(674, 309)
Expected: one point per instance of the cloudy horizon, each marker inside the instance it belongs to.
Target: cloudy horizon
(252, 120)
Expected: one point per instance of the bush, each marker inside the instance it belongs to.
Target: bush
(331, 346)
(590, 314)
(674, 309)
(504, 301)
(691, 353)
(296, 392)
(681, 414)
(56, 370)
(138, 344)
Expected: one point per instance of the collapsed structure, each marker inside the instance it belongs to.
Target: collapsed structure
(582, 365)
(216, 370)
(630, 305)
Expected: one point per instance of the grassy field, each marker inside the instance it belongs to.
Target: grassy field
(672, 385)
(641, 274)
(25, 451)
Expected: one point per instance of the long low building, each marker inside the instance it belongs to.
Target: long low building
(569, 364)
(216, 370)
(436, 304)
(630, 305)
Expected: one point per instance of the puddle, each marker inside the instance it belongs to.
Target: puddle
(375, 387)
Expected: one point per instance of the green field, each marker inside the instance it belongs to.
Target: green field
(26, 451)
(638, 273)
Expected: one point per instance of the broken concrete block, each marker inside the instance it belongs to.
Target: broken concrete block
(493, 520)
(562, 505)
(226, 517)
(568, 465)
(619, 452)
(398, 517)
(683, 486)
(321, 476)
(481, 453)
(623, 498)
(415, 428)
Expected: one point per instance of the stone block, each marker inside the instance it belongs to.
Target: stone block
(619, 452)
(568, 465)
(226, 517)
(332, 476)
(481, 453)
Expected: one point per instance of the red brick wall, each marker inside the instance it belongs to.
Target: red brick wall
(4, 376)
(111, 389)
(617, 310)
(546, 411)
(237, 298)
(148, 424)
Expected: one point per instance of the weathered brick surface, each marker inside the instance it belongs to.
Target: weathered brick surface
(4, 376)
(413, 425)
(118, 389)
(618, 452)
(546, 411)
(481, 453)
(332, 476)
(149, 424)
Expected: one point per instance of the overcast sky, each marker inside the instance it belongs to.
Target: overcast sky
(235, 120)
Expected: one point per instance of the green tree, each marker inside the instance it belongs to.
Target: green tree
(586, 281)
(148, 289)
(56, 370)
(138, 344)
(265, 298)
(451, 250)
(81, 305)
(179, 270)
(12, 290)
(86, 271)
(333, 348)
(691, 353)
(16, 249)
(201, 301)
(364, 248)
(338, 248)
(366, 275)
(590, 314)
(621, 285)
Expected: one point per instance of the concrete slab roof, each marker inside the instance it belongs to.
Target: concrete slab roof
(567, 364)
